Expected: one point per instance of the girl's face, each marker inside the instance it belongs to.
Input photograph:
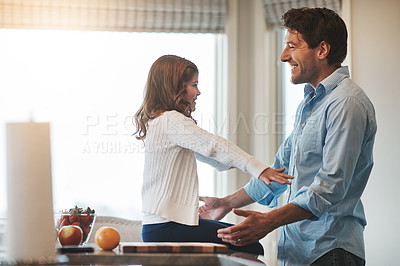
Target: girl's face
(192, 91)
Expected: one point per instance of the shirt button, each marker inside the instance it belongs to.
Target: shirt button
(302, 125)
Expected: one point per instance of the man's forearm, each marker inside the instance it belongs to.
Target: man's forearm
(288, 214)
(238, 199)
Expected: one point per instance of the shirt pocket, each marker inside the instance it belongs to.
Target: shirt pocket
(309, 136)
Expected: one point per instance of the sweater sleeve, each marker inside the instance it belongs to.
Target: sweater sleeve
(182, 131)
(214, 163)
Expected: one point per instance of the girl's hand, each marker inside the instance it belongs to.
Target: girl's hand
(275, 175)
(214, 208)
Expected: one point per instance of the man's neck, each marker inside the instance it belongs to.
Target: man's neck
(324, 73)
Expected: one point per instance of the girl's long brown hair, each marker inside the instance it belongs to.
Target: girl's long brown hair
(165, 90)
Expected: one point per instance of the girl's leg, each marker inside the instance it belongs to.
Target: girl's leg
(206, 231)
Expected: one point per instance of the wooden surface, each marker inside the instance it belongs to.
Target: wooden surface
(172, 247)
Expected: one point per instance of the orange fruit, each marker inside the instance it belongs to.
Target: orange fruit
(107, 237)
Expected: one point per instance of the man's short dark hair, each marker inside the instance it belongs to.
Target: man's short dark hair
(317, 25)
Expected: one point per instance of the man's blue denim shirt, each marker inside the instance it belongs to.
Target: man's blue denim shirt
(329, 153)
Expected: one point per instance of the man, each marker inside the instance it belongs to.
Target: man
(329, 153)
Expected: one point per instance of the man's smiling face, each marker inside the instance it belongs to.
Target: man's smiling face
(302, 59)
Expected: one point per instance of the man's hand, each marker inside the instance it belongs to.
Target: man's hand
(276, 175)
(256, 226)
(213, 208)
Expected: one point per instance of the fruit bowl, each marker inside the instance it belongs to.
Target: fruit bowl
(69, 222)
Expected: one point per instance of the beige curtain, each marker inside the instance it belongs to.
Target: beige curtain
(274, 9)
(194, 16)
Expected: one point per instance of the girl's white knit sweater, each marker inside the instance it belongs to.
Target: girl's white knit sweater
(170, 182)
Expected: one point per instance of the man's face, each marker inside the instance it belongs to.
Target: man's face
(302, 59)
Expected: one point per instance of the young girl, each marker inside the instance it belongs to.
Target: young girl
(173, 141)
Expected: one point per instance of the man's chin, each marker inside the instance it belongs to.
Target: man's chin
(296, 81)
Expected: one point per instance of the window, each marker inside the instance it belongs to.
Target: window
(290, 94)
(88, 85)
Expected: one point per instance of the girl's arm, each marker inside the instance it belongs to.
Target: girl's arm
(214, 163)
(182, 131)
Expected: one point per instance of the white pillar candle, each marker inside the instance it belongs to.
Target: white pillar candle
(31, 230)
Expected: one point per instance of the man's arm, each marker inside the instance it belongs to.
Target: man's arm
(257, 224)
(256, 190)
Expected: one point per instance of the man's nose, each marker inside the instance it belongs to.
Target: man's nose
(285, 56)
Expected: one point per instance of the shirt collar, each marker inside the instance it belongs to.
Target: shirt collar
(308, 89)
(330, 82)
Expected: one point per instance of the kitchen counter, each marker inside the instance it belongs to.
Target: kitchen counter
(100, 257)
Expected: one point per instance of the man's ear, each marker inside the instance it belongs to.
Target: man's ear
(323, 50)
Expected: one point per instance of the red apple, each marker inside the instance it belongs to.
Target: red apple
(70, 235)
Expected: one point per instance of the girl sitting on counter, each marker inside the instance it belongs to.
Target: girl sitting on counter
(173, 141)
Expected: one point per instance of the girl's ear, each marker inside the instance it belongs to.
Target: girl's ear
(323, 50)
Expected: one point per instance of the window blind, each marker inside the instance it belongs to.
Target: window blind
(195, 16)
(274, 9)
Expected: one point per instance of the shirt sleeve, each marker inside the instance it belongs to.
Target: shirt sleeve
(264, 194)
(345, 125)
(182, 131)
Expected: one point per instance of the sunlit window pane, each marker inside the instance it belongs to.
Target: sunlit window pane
(292, 94)
(88, 85)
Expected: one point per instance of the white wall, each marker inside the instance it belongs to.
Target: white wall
(375, 32)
